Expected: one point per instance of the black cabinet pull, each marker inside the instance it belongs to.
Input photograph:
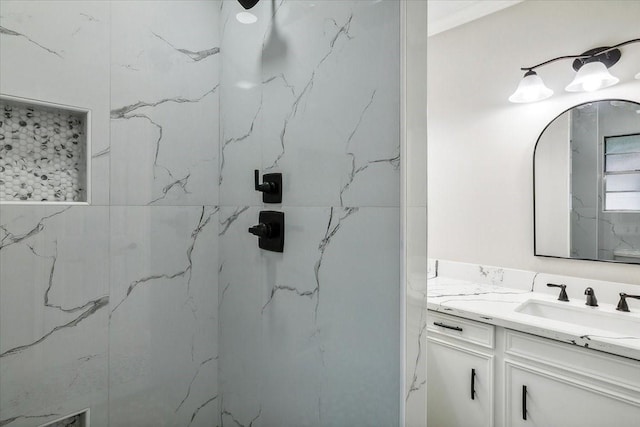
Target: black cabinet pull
(524, 402)
(455, 328)
(473, 384)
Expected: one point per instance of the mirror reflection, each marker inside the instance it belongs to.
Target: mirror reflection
(587, 183)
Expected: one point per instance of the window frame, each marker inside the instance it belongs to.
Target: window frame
(606, 173)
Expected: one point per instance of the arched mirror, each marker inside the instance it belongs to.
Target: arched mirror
(587, 183)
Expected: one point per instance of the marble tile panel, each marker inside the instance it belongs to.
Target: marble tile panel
(289, 320)
(165, 155)
(241, 102)
(164, 102)
(333, 131)
(416, 375)
(240, 309)
(163, 319)
(358, 318)
(63, 64)
(54, 282)
(618, 231)
(293, 348)
(584, 232)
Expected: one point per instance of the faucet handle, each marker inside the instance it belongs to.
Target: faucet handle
(622, 304)
(271, 186)
(592, 301)
(563, 291)
(266, 187)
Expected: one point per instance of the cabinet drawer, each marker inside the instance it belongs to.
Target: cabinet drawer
(471, 331)
(615, 370)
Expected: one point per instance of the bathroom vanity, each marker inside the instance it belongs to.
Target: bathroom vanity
(493, 360)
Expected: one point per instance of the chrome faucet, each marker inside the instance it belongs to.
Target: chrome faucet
(592, 301)
(622, 305)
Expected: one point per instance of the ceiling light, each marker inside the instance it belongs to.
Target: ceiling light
(245, 84)
(638, 76)
(531, 89)
(246, 18)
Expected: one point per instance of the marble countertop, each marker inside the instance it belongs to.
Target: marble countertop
(497, 305)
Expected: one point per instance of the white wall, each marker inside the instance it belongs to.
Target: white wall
(481, 146)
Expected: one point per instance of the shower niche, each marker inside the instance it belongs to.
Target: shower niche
(79, 419)
(44, 152)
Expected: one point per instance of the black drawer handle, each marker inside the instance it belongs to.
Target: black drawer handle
(524, 402)
(473, 384)
(455, 328)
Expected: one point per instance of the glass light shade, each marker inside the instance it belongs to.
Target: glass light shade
(591, 77)
(638, 76)
(530, 89)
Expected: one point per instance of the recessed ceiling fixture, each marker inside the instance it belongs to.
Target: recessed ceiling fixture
(592, 73)
(246, 18)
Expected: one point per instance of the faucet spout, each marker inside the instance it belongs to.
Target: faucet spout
(592, 301)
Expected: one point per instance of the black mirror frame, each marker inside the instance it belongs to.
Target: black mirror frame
(535, 249)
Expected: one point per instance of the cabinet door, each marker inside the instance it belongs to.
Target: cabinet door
(554, 401)
(459, 386)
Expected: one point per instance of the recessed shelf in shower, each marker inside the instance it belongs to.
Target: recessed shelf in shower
(44, 152)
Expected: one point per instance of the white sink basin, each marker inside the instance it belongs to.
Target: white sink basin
(592, 317)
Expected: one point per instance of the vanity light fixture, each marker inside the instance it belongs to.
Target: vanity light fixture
(592, 73)
(531, 89)
(591, 77)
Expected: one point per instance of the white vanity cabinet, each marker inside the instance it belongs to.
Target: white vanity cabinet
(544, 399)
(552, 384)
(460, 377)
(532, 381)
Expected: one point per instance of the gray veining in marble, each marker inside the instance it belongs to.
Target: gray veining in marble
(8, 32)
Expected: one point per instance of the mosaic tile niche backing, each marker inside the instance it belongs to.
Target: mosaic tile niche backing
(42, 153)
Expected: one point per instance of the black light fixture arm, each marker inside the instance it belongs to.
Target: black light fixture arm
(583, 56)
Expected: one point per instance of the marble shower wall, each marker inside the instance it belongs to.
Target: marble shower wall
(153, 306)
(311, 336)
(113, 306)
